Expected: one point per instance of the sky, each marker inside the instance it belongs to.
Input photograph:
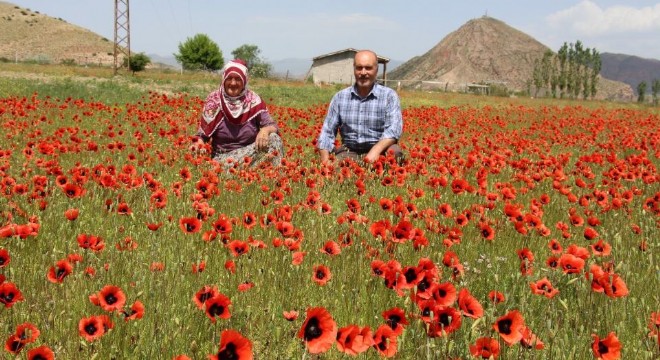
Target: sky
(396, 29)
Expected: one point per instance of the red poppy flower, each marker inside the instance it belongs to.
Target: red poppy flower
(590, 233)
(5, 259)
(285, 228)
(135, 312)
(445, 321)
(450, 258)
(190, 225)
(486, 231)
(380, 229)
(111, 298)
(204, 294)
(73, 191)
(124, 209)
(71, 214)
(530, 340)
(601, 248)
(298, 257)
(386, 204)
(319, 331)
(608, 348)
(485, 348)
(331, 248)
(510, 327)
(154, 226)
(238, 248)
(321, 274)
(444, 293)
(249, 220)
(9, 294)
(14, 344)
(353, 341)
(290, 315)
(217, 307)
(571, 264)
(95, 243)
(233, 346)
(158, 199)
(91, 328)
(469, 305)
(27, 333)
(57, 273)
(396, 319)
(42, 352)
(543, 287)
(613, 285)
(385, 341)
(555, 246)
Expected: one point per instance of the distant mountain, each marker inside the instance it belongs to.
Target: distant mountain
(487, 50)
(629, 69)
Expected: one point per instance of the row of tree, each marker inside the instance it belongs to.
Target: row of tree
(655, 89)
(202, 53)
(570, 73)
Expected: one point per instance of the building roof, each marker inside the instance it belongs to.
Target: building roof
(381, 59)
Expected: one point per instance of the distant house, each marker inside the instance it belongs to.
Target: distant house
(337, 67)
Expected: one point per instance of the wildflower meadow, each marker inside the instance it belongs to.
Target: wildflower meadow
(514, 229)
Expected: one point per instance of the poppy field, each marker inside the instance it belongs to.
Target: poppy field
(512, 230)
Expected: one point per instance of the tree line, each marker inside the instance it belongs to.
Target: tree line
(570, 73)
(202, 53)
(655, 89)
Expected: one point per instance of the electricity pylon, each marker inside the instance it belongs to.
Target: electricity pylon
(122, 34)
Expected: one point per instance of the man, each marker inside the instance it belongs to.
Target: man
(367, 115)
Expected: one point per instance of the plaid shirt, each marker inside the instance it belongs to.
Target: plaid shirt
(362, 122)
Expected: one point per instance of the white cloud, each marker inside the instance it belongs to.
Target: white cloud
(589, 19)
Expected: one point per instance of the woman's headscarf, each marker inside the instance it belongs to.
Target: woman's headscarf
(237, 110)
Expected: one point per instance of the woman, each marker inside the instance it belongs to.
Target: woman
(236, 122)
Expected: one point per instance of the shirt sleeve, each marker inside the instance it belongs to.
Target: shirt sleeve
(326, 140)
(266, 120)
(393, 117)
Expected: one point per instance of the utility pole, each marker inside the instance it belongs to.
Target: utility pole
(122, 34)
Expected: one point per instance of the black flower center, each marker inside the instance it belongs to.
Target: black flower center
(505, 326)
(110, 299)
(313, 329)
(228, 353)
(216, 309)
(90, 329)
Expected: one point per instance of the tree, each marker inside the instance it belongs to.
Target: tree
(573, 71)
(641, 91)
(200, 53)
(655, 88)
(255, 64)
(138, 62)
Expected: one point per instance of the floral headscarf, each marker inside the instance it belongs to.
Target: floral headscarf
(236, 109)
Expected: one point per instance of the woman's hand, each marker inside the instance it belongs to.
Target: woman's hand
(262, 139)
(198, 146)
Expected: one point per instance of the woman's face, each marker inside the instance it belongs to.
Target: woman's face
(234, 85)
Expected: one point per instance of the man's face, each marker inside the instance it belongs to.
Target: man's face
(365, 68)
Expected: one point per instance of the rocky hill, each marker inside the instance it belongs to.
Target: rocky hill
(629, 69)
(486, 50)
(27, 35)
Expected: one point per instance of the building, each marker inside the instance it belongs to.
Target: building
(337, 67)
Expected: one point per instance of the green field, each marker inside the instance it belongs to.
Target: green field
(488, 185)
